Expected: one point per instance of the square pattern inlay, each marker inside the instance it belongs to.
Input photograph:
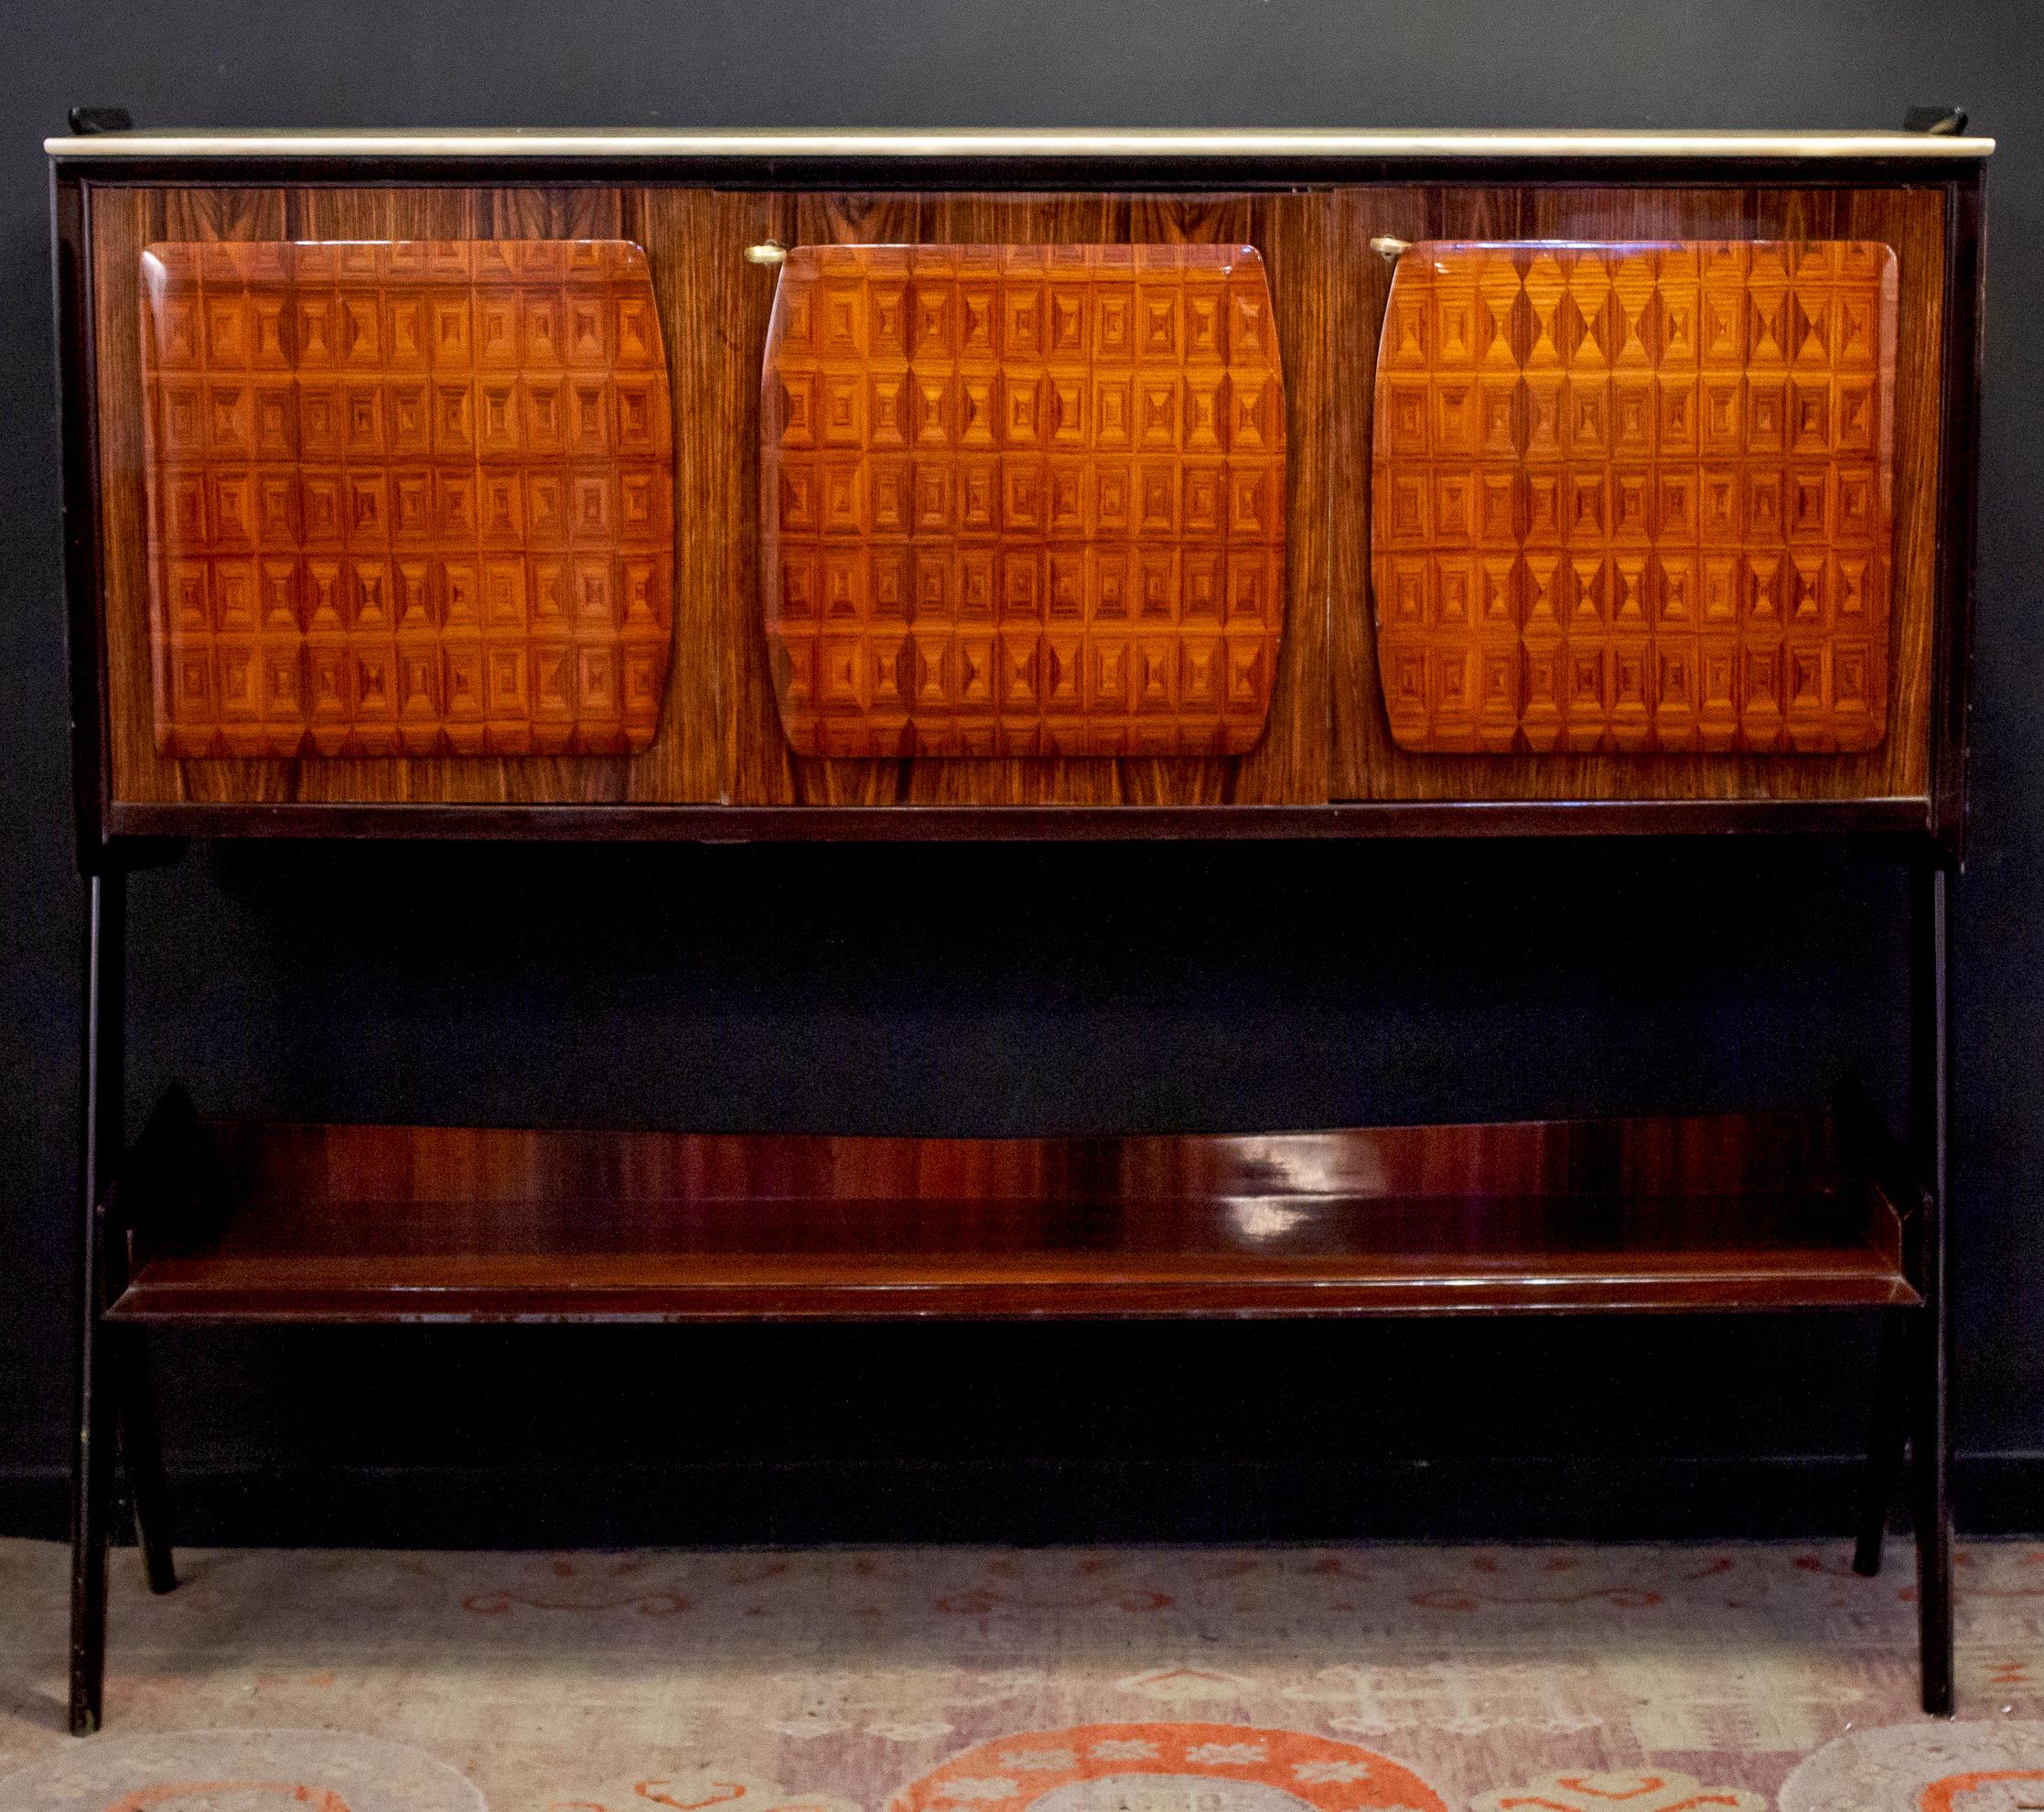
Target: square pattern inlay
(1636, 497)
(1023, 500)
(407, 497)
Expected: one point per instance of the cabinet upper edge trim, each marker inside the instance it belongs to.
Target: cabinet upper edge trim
(1048, 145)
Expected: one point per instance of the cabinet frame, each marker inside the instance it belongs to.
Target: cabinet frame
(1352, 185)
(1924, 833)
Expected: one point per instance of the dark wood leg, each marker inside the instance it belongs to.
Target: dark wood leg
(142, 1462)
(1932, 1088)
(92, 1461)
(1892, 1396)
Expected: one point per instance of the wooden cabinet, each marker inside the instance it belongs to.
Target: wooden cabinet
(1327, 760)
(404, 470)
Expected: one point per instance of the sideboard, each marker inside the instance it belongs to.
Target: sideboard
(994, 485)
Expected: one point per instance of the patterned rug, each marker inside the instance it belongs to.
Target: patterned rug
(1495, 1679)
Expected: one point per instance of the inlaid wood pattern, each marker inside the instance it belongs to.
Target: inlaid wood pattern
(720, 739)
(408, 497)
(1636, 497)
(1023, 500)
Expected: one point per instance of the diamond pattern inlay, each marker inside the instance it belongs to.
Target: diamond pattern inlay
(1636, 497)
(1023, 500)
(407, 497)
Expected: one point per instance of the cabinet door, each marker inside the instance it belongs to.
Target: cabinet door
(388, 499)
(1083, 607)
(1608, 630)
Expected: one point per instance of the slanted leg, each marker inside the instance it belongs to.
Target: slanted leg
(142, 1462)
(1885, 1444)
(92, 1461)
(1934, 1530)
(91, 1499)
(1931, 1078)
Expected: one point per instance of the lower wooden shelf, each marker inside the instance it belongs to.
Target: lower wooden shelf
(239, 1221)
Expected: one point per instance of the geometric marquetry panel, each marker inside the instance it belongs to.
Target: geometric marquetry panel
(1636, 497)
(1023, 500)
(407, 497)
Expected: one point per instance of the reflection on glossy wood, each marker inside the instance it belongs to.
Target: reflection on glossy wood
(1289, 761)
(1636, 496)
(1366, 760)
(392, 1222)
(406, 496)
(1023, 500)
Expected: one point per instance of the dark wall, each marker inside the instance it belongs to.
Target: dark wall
(1008, 990)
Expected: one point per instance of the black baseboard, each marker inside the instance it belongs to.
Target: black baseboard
(1038, 1502)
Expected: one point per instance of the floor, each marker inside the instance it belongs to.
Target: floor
(1497, 1679)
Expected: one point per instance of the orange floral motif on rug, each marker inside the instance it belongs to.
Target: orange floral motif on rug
(1104, 1767)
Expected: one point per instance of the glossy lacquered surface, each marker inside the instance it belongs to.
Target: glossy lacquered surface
(1937, 291)
(1023, 500)
(241, 1221)
(1636, 497)
(1328, 743)
(406, 496)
